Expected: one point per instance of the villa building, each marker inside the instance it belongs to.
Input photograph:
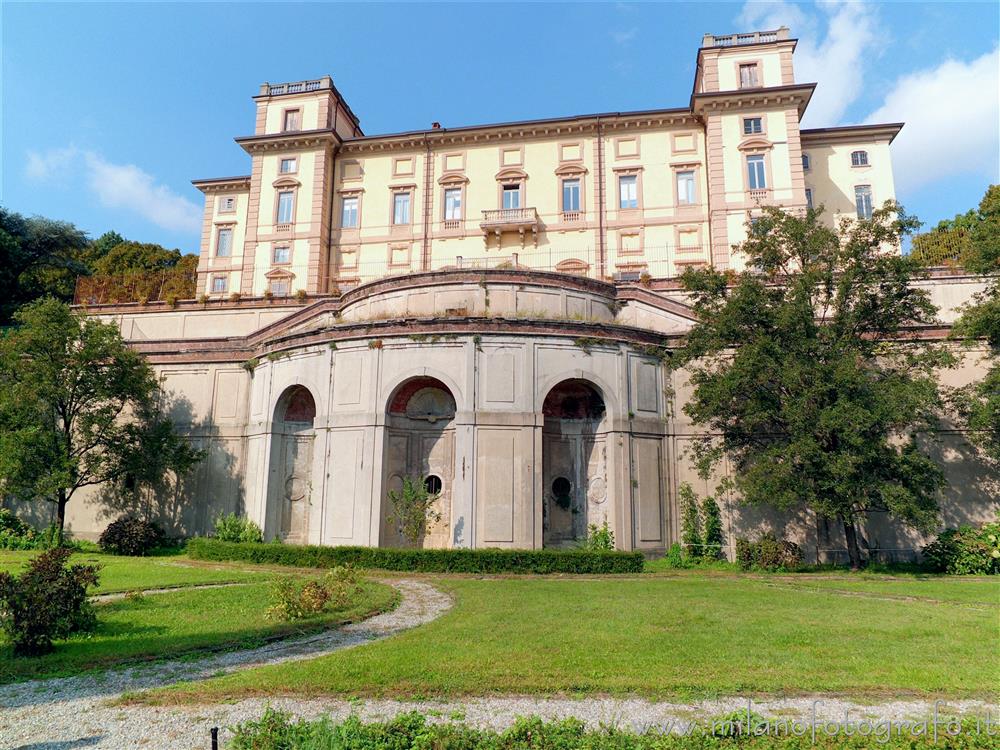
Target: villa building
(487, 308)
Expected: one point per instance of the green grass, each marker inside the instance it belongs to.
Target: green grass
(132, 573)
(175, 623)
(687, 635)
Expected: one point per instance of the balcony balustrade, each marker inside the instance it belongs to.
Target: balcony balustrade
(521, 220)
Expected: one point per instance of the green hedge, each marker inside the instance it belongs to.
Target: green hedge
(422, 560)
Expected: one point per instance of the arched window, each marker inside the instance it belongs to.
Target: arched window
(859, 158)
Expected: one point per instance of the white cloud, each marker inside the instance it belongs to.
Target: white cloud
(951, 113)
(51, 165)
(123, 186)
(835, 59)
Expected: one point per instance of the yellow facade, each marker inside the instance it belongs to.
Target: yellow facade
(616, 196)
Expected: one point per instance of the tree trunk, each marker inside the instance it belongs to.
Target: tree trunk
(61, 516)
(851, 534)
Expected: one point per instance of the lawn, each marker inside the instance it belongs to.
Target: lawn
(132, 573)
(170, 624)
(686, 635)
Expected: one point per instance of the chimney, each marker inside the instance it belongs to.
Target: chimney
(435, 126)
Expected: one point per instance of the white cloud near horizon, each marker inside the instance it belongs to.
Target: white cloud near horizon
(119, 186)
(834, 47)
(952, 116)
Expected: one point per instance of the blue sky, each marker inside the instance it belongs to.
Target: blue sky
(110, 110)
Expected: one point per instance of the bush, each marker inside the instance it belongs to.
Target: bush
(423, 560)
(965, 551)
(131, 536)
(690, 521)
(413, 509)
(296, 599)
(234, 528)
(48, 601)
(599, 537)
(712, 526)
(768, 553)
(278, 730)
(16, 534)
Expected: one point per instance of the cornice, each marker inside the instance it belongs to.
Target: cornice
(770, 96)
(850, 133)
(300, 139)
(222, 184)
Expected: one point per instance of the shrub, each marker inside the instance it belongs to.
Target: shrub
(965, 551)
(675, 557)
(690, 521)
(599, 537)
(234, 528)
(16, 534)
(48, 601)
(413, 509)
(712, 524)
(423, 560)
(295, 599)
(768, 553)
(131, 536)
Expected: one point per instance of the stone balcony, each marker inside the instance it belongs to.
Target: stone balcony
(521, 220)
(739, 40)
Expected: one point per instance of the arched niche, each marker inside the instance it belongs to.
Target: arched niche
(289, 491)
(420, 445)
(574, 462)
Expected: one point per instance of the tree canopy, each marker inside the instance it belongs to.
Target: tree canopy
(979, 402)
(79, 407)
(805, 376)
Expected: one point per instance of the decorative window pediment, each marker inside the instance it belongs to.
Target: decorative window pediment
(279, 273)
(571, 169)
(756, 144)
(285, 182)
(511, 174)
(454, 178)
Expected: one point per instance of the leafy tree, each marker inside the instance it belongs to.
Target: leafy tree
(803, 373)
(38, 256)
(78, 407)
(128, 257)
(959, 241)
(979, 403)
(413, 509)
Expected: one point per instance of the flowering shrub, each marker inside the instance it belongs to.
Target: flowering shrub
(965, 551)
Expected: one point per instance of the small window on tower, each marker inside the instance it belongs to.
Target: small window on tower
(748, 76)
(752, 125)
(292, 121)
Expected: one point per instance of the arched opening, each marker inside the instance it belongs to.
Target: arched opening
(420, 445)
(574, 462)
(289, 491)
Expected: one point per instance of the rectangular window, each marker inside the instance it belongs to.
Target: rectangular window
(805, 162)
(628, 191)
(512, 196)
(219, 284)
(453, 204)
(349, 212)
(748, 76)
(292, 121)
(809, 198)
(863, 201)
(685, 188)
(279, 287)
(287, 166)
(752, 125)
(756, 174)
(571, 195)
(227, 204)
(285, 200)
(400, 208)
(224, 243)
(282, 254)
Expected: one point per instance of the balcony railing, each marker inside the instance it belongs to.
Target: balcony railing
(737, 40)
(521, 220)
(571, 216)
(297, 87)
(510, 216)
(760, 196)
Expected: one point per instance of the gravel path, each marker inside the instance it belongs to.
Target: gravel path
(64, 713)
